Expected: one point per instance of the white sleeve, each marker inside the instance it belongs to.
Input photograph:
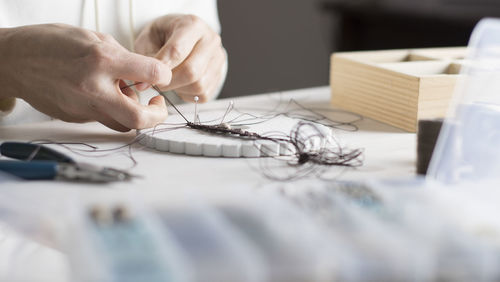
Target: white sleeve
(152, 9)
(205, 9)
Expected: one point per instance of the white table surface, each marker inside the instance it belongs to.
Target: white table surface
(389, 152)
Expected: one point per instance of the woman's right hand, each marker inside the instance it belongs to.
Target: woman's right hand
(75, 75)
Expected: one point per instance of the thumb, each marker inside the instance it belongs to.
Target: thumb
(135, 67)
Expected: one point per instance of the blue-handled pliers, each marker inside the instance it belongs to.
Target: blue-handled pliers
(37, 162)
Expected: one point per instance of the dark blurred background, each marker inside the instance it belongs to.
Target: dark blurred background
(285, 44)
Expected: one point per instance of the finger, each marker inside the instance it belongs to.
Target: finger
(142, 86)
(71, 118)
(107, 38)
(210, 81)
(135, 67)
(128, 90)
(202, 97)
(159, 101)
(147, 43)
(111, 123)
(189, 97)
(131, 114)
(181, 42)
(195, 66)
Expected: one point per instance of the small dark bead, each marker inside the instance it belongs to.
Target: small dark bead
(303, 158)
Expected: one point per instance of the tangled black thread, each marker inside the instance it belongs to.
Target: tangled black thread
(303, 153)
(303, 157)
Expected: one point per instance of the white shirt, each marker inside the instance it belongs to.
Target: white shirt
(119, 18)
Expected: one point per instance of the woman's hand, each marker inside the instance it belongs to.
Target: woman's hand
(75, 75)
(193, 51)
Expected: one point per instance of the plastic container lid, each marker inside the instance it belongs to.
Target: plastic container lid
(468, 148)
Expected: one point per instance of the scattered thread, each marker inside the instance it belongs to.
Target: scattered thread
(310, 151)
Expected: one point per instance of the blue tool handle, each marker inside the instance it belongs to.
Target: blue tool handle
(30, 170)
(29, 151)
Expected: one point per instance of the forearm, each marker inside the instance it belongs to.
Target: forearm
(7, 98)
(6, 67)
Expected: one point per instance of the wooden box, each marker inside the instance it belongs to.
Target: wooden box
(397, 87)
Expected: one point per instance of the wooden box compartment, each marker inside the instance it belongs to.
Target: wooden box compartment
(397, 87)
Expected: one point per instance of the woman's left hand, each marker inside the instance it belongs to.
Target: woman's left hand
(193, 51)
